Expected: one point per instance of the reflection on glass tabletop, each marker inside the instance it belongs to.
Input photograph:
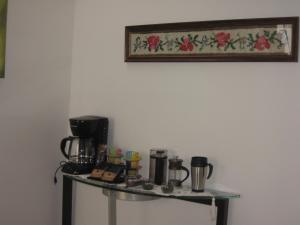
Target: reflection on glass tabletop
(182, 192)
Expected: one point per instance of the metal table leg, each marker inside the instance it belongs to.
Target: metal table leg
(67, 201)
(112, 207)
(222, 211)
(112, 202)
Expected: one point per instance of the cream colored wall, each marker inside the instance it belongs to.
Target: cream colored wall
(243, 116)
(34, 101)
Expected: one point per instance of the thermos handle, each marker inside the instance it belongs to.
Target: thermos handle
(187, 174)
(63, 146)
(211, 168)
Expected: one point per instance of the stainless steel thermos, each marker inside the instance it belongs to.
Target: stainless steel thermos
(200, 171)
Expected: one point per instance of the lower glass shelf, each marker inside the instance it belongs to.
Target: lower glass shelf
(183, 193)
(125, 196)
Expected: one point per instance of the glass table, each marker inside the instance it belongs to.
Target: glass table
(116, 192)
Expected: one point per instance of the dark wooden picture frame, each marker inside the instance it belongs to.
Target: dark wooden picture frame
(3, 19)
(242, 40)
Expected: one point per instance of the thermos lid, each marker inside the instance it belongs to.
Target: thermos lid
(199, 161)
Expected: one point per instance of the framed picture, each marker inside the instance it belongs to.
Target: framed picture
(243, 40)
(3, 14)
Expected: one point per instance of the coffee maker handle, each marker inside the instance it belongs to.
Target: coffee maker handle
(211, 168)
(63, 146)
(187, 174)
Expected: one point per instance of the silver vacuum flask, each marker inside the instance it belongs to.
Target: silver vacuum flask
(200, 171)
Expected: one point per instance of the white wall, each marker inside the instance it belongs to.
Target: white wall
(243, 116)
(34, 101)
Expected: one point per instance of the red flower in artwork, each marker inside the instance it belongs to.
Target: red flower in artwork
(186, 45)
(262, 43)
(153, 42)
(222, 38)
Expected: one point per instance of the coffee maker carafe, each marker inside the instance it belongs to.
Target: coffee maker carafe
(81, 150)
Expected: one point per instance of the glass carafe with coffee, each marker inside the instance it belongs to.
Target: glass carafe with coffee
(175, 172)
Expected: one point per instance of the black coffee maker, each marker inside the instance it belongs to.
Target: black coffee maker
(89, 140)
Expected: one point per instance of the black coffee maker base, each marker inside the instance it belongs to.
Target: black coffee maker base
(76, 169)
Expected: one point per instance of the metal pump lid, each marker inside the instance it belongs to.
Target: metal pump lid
(158, 153)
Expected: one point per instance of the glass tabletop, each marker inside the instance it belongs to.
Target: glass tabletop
(183, 192)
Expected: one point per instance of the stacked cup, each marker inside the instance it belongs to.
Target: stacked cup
(115, 156)
(132, 159)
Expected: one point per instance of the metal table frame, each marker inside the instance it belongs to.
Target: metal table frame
(113, 195)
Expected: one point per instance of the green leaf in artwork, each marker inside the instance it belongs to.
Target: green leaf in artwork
(145, 44)
(266, 33)
(280, 45)
(251, 37)
(226, 47)
(138, 44)
(273, 34)
(161, 48)
(272, 37)
(201, 48)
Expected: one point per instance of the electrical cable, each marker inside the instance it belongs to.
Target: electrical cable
(61, 164)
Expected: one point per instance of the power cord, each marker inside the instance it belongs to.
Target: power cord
(61, 164)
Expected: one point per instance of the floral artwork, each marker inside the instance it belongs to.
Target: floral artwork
(214, 44)
(246, 41)
(3, 12)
